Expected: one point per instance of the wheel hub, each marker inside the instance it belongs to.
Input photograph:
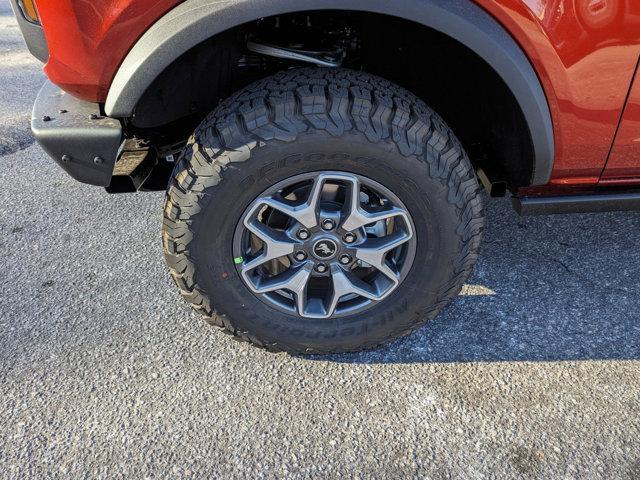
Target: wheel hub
(324, 245)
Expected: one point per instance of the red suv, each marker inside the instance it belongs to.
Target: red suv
(323, 158)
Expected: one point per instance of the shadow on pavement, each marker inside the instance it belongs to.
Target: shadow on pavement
(555, 288)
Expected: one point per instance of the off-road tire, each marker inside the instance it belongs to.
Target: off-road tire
(289, 124)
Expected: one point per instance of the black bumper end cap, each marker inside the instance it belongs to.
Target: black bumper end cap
(75, 134)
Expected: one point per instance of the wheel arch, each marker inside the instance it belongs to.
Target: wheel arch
(195, 21)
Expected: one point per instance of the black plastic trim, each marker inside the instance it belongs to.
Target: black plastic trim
(33, 34)
(194, 21)
(592, 203)
(73, 132)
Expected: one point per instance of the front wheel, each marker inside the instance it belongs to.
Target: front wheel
(322, 211)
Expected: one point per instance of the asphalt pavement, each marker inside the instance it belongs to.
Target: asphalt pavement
(533, 372)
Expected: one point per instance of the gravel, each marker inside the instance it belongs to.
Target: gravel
(105, 372)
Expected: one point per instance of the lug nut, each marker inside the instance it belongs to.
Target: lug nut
(328, 224)
(321, 268)
(349, 238)
(301, 256)
(303, 234)
(345, 259)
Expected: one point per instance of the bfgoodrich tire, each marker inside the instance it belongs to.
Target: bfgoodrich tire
(343, 128)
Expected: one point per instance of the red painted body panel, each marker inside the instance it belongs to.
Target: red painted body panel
(585, 53)
(624, 162)
(88, 39)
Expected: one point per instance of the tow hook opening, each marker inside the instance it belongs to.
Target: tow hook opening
(141, 166)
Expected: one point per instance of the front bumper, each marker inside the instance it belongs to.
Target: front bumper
(75, 134)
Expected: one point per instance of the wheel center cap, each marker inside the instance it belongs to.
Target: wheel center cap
(325, 249)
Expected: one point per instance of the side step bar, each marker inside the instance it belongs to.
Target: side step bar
(605, 202)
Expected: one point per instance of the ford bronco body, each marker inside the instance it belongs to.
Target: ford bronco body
(323, 159)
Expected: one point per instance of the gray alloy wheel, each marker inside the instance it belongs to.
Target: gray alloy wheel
(324, 244)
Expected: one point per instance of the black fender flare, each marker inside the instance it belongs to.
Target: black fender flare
(195, 21)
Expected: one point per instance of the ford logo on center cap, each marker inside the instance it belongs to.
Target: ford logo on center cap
(325, 249)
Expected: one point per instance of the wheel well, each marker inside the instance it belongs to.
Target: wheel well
(452, 79)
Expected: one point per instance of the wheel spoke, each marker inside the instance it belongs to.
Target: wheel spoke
(307, 213)
(276, 244)
(357, 218)
(345, 283)
(374, 250)
(293, 280)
